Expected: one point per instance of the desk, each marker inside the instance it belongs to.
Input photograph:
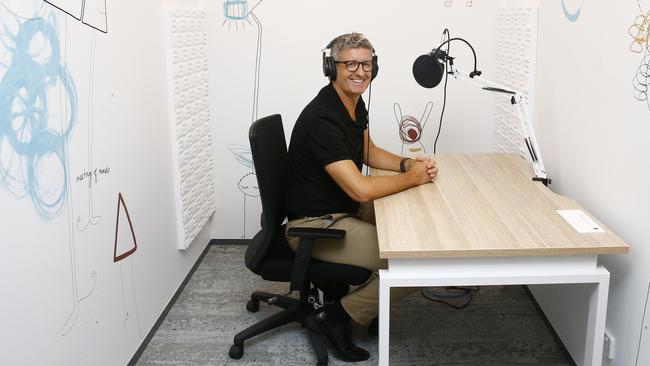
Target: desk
(485, 222)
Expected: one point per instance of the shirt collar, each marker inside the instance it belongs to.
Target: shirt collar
(332, 98)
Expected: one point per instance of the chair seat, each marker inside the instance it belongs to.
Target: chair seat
(278, 264)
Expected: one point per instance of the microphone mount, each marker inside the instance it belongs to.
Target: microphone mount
(518, 100)
(428, 68)
(440, 54)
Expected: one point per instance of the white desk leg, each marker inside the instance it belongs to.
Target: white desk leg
(596, 321)
(384, 319)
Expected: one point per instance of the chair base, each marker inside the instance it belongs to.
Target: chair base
(293, 311)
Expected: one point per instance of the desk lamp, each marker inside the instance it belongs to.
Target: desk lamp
(429, 69)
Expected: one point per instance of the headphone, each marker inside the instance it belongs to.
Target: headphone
(329, 64)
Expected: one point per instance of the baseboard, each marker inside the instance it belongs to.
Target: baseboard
(230, 241)
(171, 303)
(564, 350)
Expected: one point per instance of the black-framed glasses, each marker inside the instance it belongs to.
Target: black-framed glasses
(352, 66)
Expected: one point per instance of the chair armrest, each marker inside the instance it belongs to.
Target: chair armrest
(307, 236)
(316, 233)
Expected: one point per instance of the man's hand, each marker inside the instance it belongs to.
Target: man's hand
(423, 166)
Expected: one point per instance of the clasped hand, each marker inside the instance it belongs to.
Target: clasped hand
(424, 167)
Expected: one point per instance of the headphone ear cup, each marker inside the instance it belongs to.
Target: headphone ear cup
(326, 69)
(375, 67)
(329, 67)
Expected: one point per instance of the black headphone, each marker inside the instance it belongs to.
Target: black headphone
(329, 64)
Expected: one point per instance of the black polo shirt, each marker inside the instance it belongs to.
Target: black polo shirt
(323, 134)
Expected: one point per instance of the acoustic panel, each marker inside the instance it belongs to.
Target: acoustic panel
(190, 121)
(516, 64)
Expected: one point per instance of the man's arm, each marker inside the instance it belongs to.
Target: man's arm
(382, 159)
(379, 158)
(364, 189)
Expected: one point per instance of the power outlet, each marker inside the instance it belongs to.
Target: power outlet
(609, 346)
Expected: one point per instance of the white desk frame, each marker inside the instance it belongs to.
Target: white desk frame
(489, 271)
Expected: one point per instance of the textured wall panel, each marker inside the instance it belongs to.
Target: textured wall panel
(515, 60)
(190, 121)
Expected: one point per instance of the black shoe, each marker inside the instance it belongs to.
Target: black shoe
(337, 336)
(373, 327)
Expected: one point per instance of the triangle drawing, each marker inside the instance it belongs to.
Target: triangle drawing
(125, 243)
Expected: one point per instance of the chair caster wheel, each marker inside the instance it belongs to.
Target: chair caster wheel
(253, 306)
(236, 351)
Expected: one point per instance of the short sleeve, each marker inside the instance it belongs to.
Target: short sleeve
(327, 140)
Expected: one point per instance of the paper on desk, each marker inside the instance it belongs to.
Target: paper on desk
(580, 221)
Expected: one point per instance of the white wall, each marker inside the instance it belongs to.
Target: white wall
(293, 34)
(592, 133)
(64, 300)
(594, 136)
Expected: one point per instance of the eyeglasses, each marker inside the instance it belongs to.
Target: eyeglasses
(353, 66)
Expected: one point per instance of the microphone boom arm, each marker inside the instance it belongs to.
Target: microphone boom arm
(518, 99)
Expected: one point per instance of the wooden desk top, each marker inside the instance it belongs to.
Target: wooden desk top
(483, 205)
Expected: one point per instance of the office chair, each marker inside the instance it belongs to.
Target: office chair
(269, 255)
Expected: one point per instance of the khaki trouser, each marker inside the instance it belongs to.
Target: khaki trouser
(359, 248)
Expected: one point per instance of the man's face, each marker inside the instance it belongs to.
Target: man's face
(352, 83)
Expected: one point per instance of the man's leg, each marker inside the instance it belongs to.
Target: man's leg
(358, 248)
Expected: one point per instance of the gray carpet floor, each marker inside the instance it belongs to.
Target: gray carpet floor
(500, 327)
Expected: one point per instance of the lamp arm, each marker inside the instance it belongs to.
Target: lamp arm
(517, 98)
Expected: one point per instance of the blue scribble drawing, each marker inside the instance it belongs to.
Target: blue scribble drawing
(32, 158)
(572, 16)
(38, 113)
(247, 184)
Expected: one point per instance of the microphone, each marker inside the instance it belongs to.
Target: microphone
(429, 69)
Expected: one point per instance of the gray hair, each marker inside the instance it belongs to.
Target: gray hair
(350, 40)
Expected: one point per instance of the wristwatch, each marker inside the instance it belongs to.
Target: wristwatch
(402, 164)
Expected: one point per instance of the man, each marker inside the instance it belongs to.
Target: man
(328, 146)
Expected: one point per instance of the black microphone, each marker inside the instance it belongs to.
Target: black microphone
(429, 69)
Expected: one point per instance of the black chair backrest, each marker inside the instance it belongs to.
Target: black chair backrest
(269, 149)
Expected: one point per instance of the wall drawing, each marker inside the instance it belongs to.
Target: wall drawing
(572, 9)
(640, 32)
(125, 246)
(93, 14)
(238, 15)
(247, 184)
(92, 172)
(90, 12)
(236, 12)
(410, 130)
(38, 114)
(33, 77)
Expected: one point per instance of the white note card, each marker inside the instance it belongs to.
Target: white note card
(580, 221)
